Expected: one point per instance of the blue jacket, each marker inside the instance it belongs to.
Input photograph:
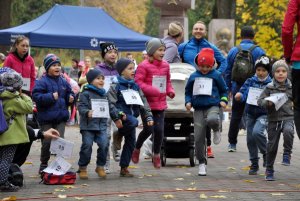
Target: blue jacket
(189, 50)
(256, 54)
(254, 110)
(49, 109)
(219, 91)
(84, 106)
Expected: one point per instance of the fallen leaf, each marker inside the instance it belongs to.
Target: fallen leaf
(85, 185)
(34, 176)
(181, 166)
(249, 181)
(62, 196)
(79, 198)
(27, 163)
(262, 174)
(242, 161)
(223, 191)
(148, 175)
(141, 177)
(193, 183)
(169, 196)
(179, 179)
(277, 194)
(132, 167)
(188, 173)
(124, 195)
(217, 196)
(246, 168)
(179, 189)
(203, 196)
(231, 168)
(191, 189)
(59, 190)
(68, 186)
(10, 198)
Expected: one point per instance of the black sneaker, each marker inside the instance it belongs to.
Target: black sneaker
(253, 169)
(286, 160)
(42, 167)
(8, 187)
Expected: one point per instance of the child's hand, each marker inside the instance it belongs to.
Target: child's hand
(188, 106)
(270, 103)
(223, 104)
(238, 96)
(90, 114)
(55, 95)
(171, 95)
(150, 123)
(71, 99)
(119, 123)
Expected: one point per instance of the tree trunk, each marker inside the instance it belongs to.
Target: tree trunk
(224, 9)
(5, 17)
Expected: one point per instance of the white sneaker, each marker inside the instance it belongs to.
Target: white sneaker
(202, 169)
(107, 170)
(217, 137)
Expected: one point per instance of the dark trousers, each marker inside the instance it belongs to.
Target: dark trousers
(157, 130)
(208, 136)
(296, 98)
(237, 112)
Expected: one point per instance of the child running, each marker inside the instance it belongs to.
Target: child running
(153, 77)
(256, 117)
(205, 91)
(126, 103)
(92, 128)
(280, 116)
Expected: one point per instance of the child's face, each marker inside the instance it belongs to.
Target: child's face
(54, 70)
(280, 74)
(98, 81)
(204, 69)
(111, 56)
(87, 62)
(159, 53)
(74, 64)
(261, 72)
(23, 47)
(128, 72)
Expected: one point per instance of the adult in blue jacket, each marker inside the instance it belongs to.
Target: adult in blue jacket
(237, 110)
(190, 49)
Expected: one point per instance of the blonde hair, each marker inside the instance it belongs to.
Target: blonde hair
(17, 41)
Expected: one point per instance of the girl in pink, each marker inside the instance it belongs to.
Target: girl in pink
(19, 60)
(153, 77)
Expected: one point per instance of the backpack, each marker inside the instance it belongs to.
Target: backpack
(243, 65)
(52, 179)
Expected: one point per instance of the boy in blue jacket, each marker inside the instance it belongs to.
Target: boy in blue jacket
(256, 117)
(205, 91)
(126, 103)
(52, 95)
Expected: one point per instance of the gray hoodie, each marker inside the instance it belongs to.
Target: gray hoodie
(285, 112)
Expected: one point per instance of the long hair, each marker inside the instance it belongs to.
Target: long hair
(18, 40)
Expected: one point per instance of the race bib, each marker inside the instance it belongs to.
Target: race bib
(100, 108)
(278, 99)
(202, 86)
(108, 80)
(253, 95)
(160, 82)
(26, 84)
(132, 97)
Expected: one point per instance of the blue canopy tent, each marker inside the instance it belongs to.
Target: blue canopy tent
(75, 27)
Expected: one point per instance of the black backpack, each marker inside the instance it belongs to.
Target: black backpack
(243, 65)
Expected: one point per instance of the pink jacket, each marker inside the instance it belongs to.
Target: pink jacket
(292, 17)
(143, 77)
(25, 68)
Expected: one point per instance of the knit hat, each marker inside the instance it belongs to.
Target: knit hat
(175, 29)
(12, 81)
(106, 46)
(93, 74)
(81, 63)
(247, 32)
(121, 64)
(205, 57)
(50, 60)
(263, 62)
(153, 44)
(279, 63)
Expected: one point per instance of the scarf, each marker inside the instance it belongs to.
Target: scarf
(99, 91)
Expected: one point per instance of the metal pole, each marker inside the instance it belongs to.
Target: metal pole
(81, 52)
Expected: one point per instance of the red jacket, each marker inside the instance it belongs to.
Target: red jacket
(292, 17)
(143, 77)
(26, 68)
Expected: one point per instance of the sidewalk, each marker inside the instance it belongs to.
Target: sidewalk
(226, 179)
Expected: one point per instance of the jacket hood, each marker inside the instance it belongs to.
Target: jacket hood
(9, 95)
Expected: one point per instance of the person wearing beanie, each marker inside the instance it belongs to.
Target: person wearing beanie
(52, 95)
(171, 41)
(256, 117)
(280, 116)
(15, 106)
(236, 123)
(109, 53)
(126, 103)
(19, 60)
(206, 92)
(153, 77)
(93, 123)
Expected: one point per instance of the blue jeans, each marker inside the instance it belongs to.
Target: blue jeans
(256, 136)
(88, 137)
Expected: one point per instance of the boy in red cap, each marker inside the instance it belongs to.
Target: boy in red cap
(206, 92)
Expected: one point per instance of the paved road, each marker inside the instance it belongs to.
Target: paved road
(227, 178)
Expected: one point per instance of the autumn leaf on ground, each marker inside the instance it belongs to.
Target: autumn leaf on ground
(218, 196)
(148, 175)
(124, 195)
(188, 173)
(203, 196)
(68, 186)
(168, 196)
(231, 168)
(62, 196)
(193, 183)
(179, 179)
(246, 168)
(181, 166)
(224, 191)
(277, 194)
(59, 190)
(179, 189)
(27, 163)
(132, 167)
(191, 189)
(10, 198)
(85, 185)
(79, 198)
(249, 181)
